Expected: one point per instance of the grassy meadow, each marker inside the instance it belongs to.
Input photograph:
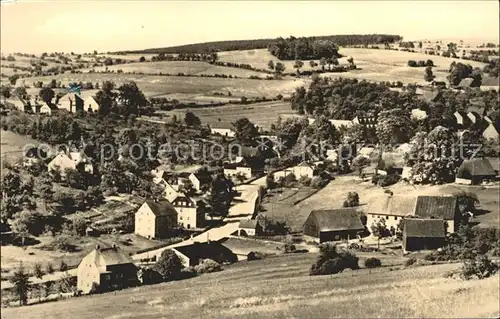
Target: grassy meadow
(279, 287)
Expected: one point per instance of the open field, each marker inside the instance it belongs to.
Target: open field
(261, 114)
(374, 65)
(12, 145)
(186, 67)
(333, 195)
(279, 287)
(161, 85)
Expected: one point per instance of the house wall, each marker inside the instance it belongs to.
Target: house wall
(338, 235)
(248, 231)
(195, 181)
(184, 259)
(390, 220)
(422, 243)
(90, 103)
(245, 171)
(299, 171)
(463, 181)
(186, 216)
(163, 224)
(145, 222)
(87, 274)
(45, 110)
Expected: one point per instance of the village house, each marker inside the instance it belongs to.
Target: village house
(47, 109)
(33, 155)
(190, 212)
(106, 269)
(304, 169)
(418, 114)
(463, 120)
(333, 225)
(475, 171)
(200, 179)
(241, 167)
(474, 117)
(91, 105)
(490, 132)
(432, 95)
(155, 219)
(71, 102)
(194, 254)
(70, 160)
(439, 207)
(227, 132)
(392, 209)
(423, 234)
(367, 121)
(251, 227)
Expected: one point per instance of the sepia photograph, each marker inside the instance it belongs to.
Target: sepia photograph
(249, 159)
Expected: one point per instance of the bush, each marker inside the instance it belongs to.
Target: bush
(373, 262)
(169, 265)
(352, 200)
(255, 255)
(63, 266)
(305, 180)
(410, 261)
(290, 248)
(480, 267)
(388, 180)
(207, 266)
(62, 243)
(317, 182)
(49, 268)
(332, 262)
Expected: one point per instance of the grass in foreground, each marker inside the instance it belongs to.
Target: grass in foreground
(279, 287)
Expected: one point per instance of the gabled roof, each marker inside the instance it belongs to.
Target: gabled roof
(162, 208)
(339, 123)
(396, 205)
(443, 207)
(248, 223)
(203, 176)
(424, 228)
(114, 256)
(494, 162)
(431, 95)
(337, 219)
(475, 167)
(208, 250)
(305, 164)
(189, 199)
(465, 83)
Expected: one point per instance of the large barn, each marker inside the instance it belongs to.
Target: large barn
(333, 225)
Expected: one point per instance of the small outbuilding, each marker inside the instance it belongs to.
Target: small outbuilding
(475, 171)
(423, 234)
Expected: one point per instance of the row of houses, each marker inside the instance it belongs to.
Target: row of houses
(70, 102)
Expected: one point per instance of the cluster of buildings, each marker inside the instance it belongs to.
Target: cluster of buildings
(71, 102)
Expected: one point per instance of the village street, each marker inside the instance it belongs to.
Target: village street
(243, 208)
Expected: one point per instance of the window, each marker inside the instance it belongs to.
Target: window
(395, 217)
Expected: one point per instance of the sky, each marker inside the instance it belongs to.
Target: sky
(84, 26)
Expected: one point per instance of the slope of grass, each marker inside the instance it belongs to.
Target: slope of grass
(279, 287)
(186, 67)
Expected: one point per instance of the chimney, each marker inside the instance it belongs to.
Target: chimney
(97, 247)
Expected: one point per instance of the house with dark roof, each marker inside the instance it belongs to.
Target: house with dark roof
(192, 255)
(190, 211)
(333, 225)
(47, 108)
(423, 234)
(475, 171)
(463, 121)
(200, 179)
(251, 227)
(106, 269)
(439, 207)
(155, 219)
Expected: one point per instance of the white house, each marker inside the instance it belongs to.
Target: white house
(241, 167)
(223, 131)
(70, 160)
(47, 109)
(71, 102)
(304, 169)
(418, 114)
(490, 132)
(154, 219)
(390, 208)
(90, 105)
(190, 213)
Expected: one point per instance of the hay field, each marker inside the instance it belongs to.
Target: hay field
(261, 114)
(279, 287)
(186, 67)
(374, 65)
(160, 85)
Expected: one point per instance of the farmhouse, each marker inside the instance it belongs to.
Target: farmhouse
(423, 234)
(192, 255)
(475, 171)
(154, 219)
(106, 268)
(490, 132)
(333, 225)
(190, 212)
(47, 108)
(367, 121)
(304, 169)
(71, 102)
(70, 160)
(463, 120)
(241, 167)
(439, 207)
(200, 179)
(222, 131)
(390, 208)
(91, 105)
(251, 227)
